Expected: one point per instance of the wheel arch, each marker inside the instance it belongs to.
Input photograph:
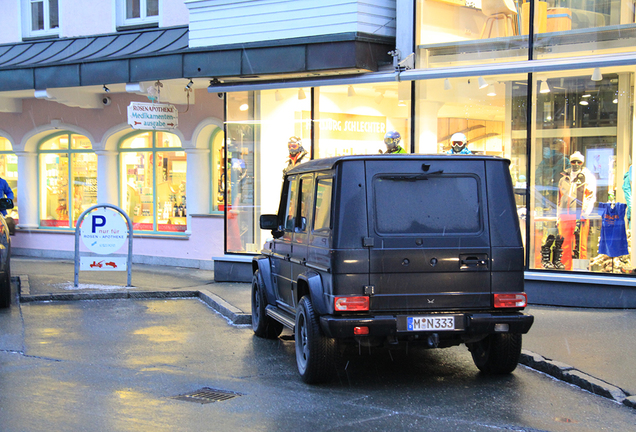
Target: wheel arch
(263, 265)
(310, 284)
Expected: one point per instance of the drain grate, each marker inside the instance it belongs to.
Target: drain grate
(207, 395)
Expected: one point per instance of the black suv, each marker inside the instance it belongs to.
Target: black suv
(380, 250)
(5, 256)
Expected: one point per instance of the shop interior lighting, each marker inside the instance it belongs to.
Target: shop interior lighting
(584, 102)
(596, 75)
(277, 96)
(106, 89)
(401, 103)
(545, 88)
(351, 91)
(491, 91)
(482, 82)
(244, 107)
(189, 85)
(447, 84)
(615, 98)
(301, 94)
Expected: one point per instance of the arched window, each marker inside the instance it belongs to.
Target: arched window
(66, 188)
(9, 172)
(153, 181)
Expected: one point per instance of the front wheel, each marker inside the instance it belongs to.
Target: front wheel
(497, 353)
(264, 326)
(5, 289)
(315, 353)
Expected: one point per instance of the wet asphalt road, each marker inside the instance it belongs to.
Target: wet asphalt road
(115, 365)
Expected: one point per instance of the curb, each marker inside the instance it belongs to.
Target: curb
(233, 314)
(571, 375)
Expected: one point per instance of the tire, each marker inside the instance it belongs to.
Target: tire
(5, 289)
(497, 353)
(315, 353)
(263, 325)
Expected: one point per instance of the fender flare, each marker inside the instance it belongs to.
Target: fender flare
(262, 263)
(316, 291)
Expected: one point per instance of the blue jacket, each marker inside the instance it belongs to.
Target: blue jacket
(5, 189)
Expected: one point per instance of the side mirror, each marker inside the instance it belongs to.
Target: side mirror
(269, 222)
(6, 203)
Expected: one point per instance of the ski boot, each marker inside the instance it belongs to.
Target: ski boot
(557, 252)
(546, 253)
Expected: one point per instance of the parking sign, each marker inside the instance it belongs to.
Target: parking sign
(104, 231)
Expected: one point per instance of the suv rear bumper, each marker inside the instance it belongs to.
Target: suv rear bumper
(341, 327)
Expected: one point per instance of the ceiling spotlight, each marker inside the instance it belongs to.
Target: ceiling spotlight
(244, 107)
(596, 75)
(301, 94)
(447, 84)
(277, 96)
(106, 89)
(351, 91)
(584, 102)
(545, 88)
(491, 90)
(189, 85)
(482, 82)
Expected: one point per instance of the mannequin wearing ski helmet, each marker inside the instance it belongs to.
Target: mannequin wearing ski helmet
(458, 144)
(297, 153)
(392, 141)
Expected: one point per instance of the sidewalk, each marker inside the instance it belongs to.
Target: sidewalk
(591, 348)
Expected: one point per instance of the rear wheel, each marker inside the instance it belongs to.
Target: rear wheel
(497, 353)
(264, 326)
(5, 289)
(315, 353)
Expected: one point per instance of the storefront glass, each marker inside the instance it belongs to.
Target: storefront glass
(489, 113)
(9, 172)
(219, 168)
(462, 32)
(583, 27)
(153, 182)
(55, 173)
(580, 193)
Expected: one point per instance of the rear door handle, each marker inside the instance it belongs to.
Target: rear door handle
(467, 262)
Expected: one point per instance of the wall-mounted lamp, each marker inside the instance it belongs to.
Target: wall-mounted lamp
(447, 84)
(301, 94)
(351, 91)
(491, 91)
(545, 88)
(106, 89)
(189, 85)
(277, 96)
(596, 75)
(482, 82)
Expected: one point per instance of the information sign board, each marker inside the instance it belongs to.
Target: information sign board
(104, 231)
(155, 116)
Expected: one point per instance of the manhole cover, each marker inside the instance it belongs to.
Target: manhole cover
(207, 395)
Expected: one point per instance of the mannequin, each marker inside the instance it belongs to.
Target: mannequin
(459, 144)
(297, 153)
(577, 192)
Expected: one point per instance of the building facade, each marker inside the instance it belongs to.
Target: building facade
(546, 84)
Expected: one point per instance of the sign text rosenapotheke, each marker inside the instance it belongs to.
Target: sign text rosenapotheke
(142, 115)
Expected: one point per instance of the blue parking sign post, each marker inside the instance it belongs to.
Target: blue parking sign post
(104, 232)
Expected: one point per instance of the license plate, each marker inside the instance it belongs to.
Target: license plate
(430, 323)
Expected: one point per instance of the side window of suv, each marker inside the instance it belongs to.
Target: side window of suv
(306, 184)
(322, 214)
(292, 202)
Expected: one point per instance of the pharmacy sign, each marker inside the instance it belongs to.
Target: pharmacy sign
(155, 116)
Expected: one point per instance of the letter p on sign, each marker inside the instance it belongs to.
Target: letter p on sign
(98, 221)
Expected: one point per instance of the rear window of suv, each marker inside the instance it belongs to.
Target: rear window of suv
(433, 205)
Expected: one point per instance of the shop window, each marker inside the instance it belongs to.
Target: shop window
(153, 182)
(68, 179)
(138, 12)
(40, 18)
(9, 172)
(581, 199)
(219, 168)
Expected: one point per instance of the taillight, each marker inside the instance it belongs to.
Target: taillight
(347, 304)
(511, 300)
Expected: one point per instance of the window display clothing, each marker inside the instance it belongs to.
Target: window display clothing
(295, 159)
(627, 190)
(613, 241)
(463, 151)
(577, 195)
(547, 177)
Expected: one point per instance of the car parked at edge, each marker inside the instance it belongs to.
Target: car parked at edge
(5, 256)
(388, 250)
